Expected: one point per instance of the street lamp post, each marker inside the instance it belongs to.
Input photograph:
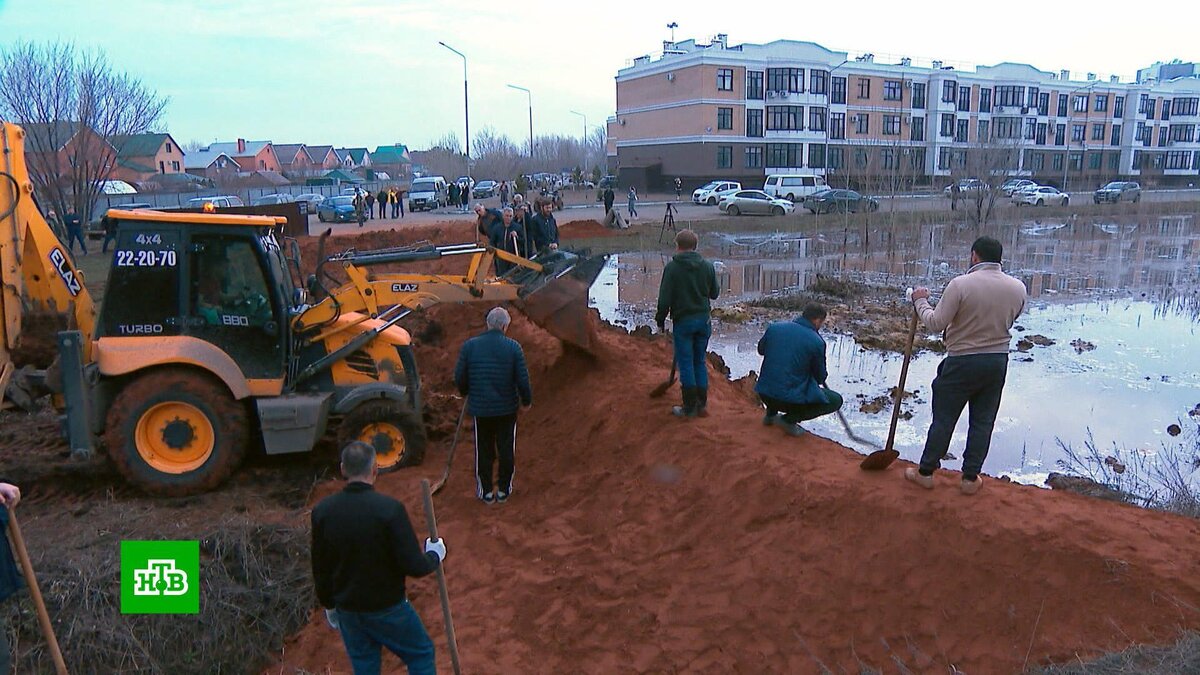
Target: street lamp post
(466, 106)
(829, 118)
(530, 96)
(584, 139)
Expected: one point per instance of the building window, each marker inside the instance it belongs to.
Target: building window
(1142, 134)
(891, 125)
(1060, 134)
(1077, 131)
(789, 80)
(818, 82)
(1097, 132)
(1062, 105)
(1080, 103)
(944, 159)
(785, 155)
(816, 156)
(983, 130)
(947, 128)
(754, 123)
(1030, 128)
(816, 119)
(917, 128)
(1043, 104)
(754, 84)
(985, 100)
(754, 157)
(1166, 110)
(892, 90)
(785, 118)
(1037, 161)
(724, 156)
(887, 157)
(724, 118)
(864, 87)
(175, 166)
(1119, 107)
(949, 91)
(1056, 162)
(1114, 161)
(861, 123)
(1094, 160)
(162, 167)
(836, 158)
(1007, 128)
(1150, 108)
(917, 159)
(1196, 159)
(1041, 133)
(1162, 137)
(960, 134)
(1033, 97)
(860, 158)
(724, 79)
(169, 147)
(1116, 135)
(1101, 103)
(1185, 106)
(1010, 96)
(918, 94)
(837, 90)
(964, 98)
(1183, 133)
(837, 125)
(1075, 159)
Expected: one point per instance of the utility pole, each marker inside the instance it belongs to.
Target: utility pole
(530, 96)
(466, 106)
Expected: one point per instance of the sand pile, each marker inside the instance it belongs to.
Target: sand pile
(636, 542)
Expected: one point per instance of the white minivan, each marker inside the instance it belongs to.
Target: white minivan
(794, 187)
(428, 193)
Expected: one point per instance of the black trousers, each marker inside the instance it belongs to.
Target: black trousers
(495, 438)
(975, 379)
(800, 412)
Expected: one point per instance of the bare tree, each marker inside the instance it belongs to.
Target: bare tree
(76, 108)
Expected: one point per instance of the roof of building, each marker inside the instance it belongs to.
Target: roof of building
(391, 154)
(204, 158)
(287, 152)
(320, 152)
(231, 149)
(266, 178)
(338, 174)
(140, 145)
(40, 137)
(126, 163)
(357, 155)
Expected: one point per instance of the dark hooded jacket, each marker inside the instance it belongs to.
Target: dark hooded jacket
(689, 285)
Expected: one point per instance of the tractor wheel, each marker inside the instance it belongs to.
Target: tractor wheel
(777, 211)
(395, 432)
(176, 432)
(733, 210)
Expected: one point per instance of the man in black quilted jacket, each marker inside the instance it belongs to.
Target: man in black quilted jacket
(491, 373)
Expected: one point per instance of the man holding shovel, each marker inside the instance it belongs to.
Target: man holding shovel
(10, 496)
(792, 384)
(363, 547)
(976, 313)
(689, 285)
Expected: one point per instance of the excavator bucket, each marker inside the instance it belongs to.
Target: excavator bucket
(557, 298)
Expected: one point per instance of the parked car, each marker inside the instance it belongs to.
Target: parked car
(1040, 195)
(968, 187)
(428, 193)
(484, 189)
(609, 181)
(1016, 185)
(711, 193)
(842, 201)
(267, 200)
(352, 190)
(794, 187)
(1118, 191)
(754, 202)
(338, 209)
(95, 228)
(313, 200)
(217, 202)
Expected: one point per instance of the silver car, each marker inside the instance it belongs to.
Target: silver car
(754, 202)
(313, 200)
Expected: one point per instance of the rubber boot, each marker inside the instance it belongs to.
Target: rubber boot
(701, 401)
(688, 409)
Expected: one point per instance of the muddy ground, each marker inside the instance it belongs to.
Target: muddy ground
(633, 542)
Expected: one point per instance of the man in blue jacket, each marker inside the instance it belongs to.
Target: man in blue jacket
(793, 372)
(491, 373)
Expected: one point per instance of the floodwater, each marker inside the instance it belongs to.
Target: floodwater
(1129, 288)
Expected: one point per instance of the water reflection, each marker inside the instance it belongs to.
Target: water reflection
(1128, 287)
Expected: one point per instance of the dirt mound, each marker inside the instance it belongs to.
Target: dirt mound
(586, 229)
(636, 542)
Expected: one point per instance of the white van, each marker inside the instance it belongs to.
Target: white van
(430, 192)
(794, 187)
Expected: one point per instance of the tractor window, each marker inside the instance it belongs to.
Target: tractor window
(145, 267)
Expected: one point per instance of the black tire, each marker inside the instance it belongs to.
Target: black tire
(394, 413)
(1137, 199)
(1066, 201)
(320, 216)
(1040, 202)
(873, 207)
(733, 210)
(228, 418)
(791, 198)
(777, 210)
(712, 201)
(844, 207)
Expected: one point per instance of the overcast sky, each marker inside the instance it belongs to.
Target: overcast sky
(370, 72)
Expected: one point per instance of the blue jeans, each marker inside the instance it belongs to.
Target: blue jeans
(976, 380)
(398, 628)
(691, 350)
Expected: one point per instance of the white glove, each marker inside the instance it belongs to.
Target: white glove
(438, 548)
(908, 293)
(331, 616)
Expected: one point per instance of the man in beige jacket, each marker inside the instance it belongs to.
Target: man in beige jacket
(976, 313)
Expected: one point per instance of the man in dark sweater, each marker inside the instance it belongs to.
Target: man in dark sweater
(491, 373)
(508, 236)
(10, 577)
(363, 547)
(689, 285)
(793, 372)
(543, 227)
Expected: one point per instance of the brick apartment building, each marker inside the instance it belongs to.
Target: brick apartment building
(741, 112)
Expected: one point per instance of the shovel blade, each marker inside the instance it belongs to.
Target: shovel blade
(878, 460)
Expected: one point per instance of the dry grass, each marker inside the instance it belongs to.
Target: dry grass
(1182, 657)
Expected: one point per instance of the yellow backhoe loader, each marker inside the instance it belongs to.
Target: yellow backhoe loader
(206, 344)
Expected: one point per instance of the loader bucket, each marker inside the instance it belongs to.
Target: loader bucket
(557, 299)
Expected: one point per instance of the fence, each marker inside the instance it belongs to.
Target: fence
(174, 200)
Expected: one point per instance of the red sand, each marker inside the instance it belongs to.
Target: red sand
(636, 542)
(586, 229)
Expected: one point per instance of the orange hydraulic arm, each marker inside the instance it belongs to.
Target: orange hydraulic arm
(41, 290)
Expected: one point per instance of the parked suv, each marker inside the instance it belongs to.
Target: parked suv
(218, 202)
(794, 187)
(1118, 191)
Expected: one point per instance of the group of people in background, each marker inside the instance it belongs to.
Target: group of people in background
(518, 228)
(459, 195)
(366, 201)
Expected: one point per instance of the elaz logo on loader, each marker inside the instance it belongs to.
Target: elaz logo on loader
(405, 288)
(59, 260)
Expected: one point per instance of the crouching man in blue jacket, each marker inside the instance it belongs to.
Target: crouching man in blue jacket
(792, 383)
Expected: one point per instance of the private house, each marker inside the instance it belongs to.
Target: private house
(392, 159)
(142, 156)
(210, 163)
(354, 158)
(324, 158)
(250, 155)
(294, 160)
(53, 149)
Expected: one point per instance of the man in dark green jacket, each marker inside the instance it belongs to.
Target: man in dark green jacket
(689, 285)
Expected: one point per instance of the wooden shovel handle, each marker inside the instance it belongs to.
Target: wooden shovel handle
(431, 520)
(35, 592)
(898, 396)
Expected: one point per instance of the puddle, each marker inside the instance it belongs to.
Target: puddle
(1128, 289)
